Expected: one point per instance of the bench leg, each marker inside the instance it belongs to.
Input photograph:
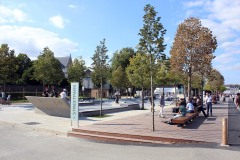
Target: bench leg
(180, 125)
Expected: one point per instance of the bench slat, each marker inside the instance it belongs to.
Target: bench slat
(183, 120)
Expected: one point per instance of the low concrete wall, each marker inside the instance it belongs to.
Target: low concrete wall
(121, 108)
(50, 106)
(61, 107)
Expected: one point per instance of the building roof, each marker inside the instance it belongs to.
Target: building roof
(64, 61)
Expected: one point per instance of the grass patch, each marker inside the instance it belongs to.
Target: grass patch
(103, 116)
(19, 101)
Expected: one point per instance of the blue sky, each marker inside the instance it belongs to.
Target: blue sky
(77, 26)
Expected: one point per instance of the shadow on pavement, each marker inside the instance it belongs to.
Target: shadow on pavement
(196, 123)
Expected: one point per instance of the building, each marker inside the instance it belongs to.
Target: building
(232, 88)
(87, 84)
(66, 62)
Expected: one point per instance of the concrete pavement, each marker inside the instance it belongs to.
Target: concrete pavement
(136, 122)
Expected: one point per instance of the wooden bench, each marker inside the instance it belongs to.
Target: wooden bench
(181, 121)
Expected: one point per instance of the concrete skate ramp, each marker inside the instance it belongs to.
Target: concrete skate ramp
(50, 106)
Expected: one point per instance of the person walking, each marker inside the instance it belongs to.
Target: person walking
(8, 101)
(200, 105)
(3, 97)
(209, 103)
(117, 95)
(162, 104)
(237, 101)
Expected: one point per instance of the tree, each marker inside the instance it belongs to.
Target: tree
(222, 88)
(119, 78)
(193, 49)
(100, 68)
(24, 64)
(8, 65)
(47, 69)
(215, 80)
(28, 77)
(151, 41)
(76, 71)
(138, 72)
(162, 73)
(120, 61)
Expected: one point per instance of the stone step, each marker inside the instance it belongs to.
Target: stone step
(77, 132)
(114, 139)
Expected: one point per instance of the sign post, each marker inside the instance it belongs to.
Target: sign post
(74, 102)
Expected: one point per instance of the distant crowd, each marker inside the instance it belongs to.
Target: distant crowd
(5, 98)
(54, 93)
(194, 104)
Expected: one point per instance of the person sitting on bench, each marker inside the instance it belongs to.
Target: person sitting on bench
(182, 111)
(190, 107)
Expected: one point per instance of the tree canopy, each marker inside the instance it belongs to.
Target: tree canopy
(8, 65)
(100, 65)
(47, 69)
(152, 34)
(215, 80)
(151, 41)
(138, 72)
(76, 71)
(193, 49)
(120, 61)
(24, 64)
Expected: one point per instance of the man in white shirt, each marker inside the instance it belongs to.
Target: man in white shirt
(209, 103)
(63, 94)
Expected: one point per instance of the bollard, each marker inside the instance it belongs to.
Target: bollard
(224, 132)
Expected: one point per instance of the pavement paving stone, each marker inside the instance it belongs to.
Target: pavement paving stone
(135, 122)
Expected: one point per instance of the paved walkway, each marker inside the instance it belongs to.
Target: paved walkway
(132, 122)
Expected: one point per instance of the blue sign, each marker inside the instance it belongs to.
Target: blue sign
(74, 101)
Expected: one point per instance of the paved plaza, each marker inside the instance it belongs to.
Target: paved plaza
(134, 122)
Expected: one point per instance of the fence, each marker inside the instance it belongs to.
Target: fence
(21, 95)
(18, 92)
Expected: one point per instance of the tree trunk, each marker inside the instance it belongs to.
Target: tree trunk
(175, 90)
(189, 84)
(202, 92)
(101, 97)
(142, 100)
(151, 78)
(163, 91)
(185, 91)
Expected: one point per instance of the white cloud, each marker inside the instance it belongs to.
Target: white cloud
(57, 21)
(221, 17)
(224, 58)
(31, 41)
(226, 11)
(12, 15)
(232, 67)
(230, 45)
(221, 31)
(72, 6)
(194, 3)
